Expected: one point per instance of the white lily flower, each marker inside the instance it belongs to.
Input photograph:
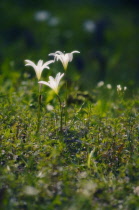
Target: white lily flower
(39, 67)
(53, 82)
(65, 58)
(119, 88)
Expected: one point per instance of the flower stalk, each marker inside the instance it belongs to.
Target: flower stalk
(39, 109)
(66, 100)
(61, 114)
(65, 58)
(39, 67)
(53, 83)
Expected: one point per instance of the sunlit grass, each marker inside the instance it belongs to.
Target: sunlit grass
(92, 164)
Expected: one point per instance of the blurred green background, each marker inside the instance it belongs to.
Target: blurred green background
(105, 32)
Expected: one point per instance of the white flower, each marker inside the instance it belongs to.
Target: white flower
(119, 88)
(65, 58)
(109, 86)
(39, 67)
(89, 26)
(42, 15)
(53, 82)
(100, 84)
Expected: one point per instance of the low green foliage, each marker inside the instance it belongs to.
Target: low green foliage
(93, 164)
(93, 161)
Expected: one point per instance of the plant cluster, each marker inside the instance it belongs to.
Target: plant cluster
(91, 162)
(53, 83)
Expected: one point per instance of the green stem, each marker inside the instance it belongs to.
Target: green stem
(66, 99)
(61, 113)
(39, 109)
(39, 114)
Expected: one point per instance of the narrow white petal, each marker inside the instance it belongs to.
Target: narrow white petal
(51, 78)
(65, 59)
(40, 62)
(59, 52)
(39, 69)
(53, 83)
(53, 54)
(44, 83)
(45, 65)
(58, 77)
(48, 62)
(61, 76)
(70, 56)
(59, 57)
(75, 51)
(30, 63)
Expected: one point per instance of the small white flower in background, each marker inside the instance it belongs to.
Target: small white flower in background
(100, 84)
(41, 174)
(42, 15)
(87, 188)
(119, 88)
(39, 67)
(29, 190)
(109, 86)
(65, 58)
(49, 107)
(136, 190)
(53, 82)
(8, 168)
(89, 26)
(54, 21)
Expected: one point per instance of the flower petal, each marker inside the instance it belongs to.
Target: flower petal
(40, 62)
(30, 63)
(45, 65)
(70, 55)
(52, 83)
(59, 77)
(44, 83)
(75, 51)
(59, 52)
(65, 59)
(53, 54)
